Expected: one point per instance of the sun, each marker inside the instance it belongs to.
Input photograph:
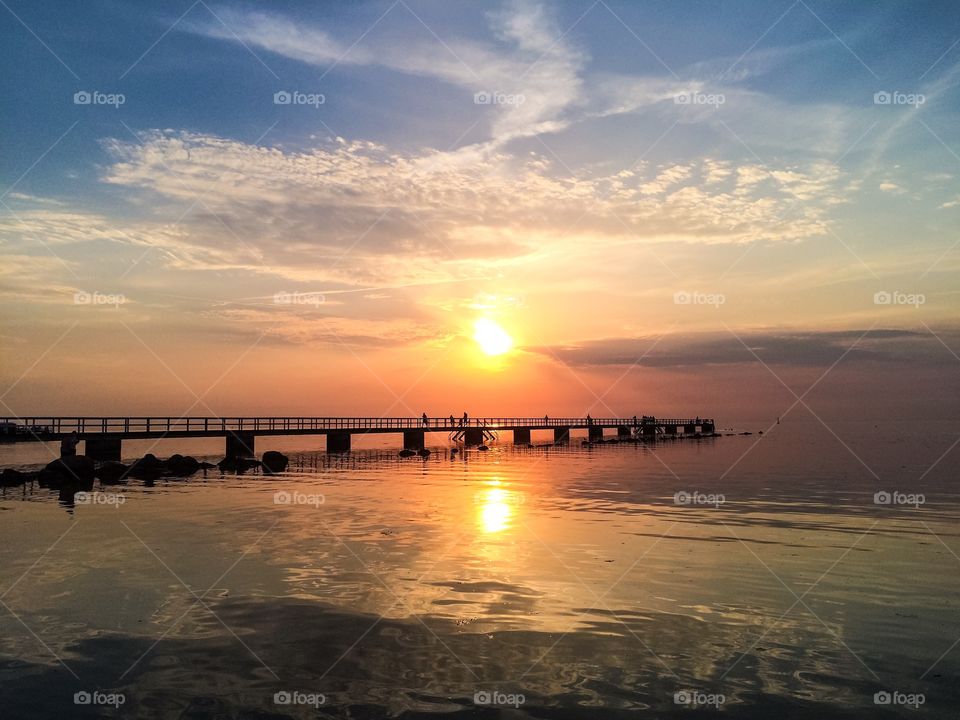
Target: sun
(492, 339)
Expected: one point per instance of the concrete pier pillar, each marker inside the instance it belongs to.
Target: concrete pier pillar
(338, 442)
(413, 439)
(595, 434)
(623, 431)
(706, 428)
(670, 429)
(240, 444)
(561, 434)
(689, 429)
(521, 436)
(102, 448)
(473, 436)
(648, 431)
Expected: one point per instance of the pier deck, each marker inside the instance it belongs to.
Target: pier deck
(104, 435)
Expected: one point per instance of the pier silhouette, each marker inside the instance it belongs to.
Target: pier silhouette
(104, 435)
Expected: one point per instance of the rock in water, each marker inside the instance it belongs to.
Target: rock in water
(237, 465)
(182, 466)
(407, 453)
(423, 452)
(274, 462)
(12, 478)
(70, 470)
(147, 467)
(112, 473)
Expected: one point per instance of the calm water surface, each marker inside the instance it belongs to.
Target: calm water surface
(558, 582)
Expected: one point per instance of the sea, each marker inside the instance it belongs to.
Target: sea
(810, 571)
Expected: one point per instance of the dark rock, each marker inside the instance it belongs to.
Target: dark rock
(12, 478)
(423, 452)
(206, 466)
(482, 448)
(274, 462)
(237, 465)
(407, 453)
(148, 467)
(76, 470)
(182, 466)
(112, 473)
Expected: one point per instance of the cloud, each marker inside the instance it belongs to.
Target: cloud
(359, 214)
(795, 348)
(531, 61)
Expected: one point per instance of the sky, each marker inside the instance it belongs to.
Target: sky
(731, 209)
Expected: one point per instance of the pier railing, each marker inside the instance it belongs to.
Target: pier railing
(210, 425)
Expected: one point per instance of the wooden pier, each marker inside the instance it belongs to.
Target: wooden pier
(104, 435)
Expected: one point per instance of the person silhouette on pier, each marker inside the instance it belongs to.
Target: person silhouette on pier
(466, 418)
(68, 446)
(426, 420)
(589, 419)
(452, 421)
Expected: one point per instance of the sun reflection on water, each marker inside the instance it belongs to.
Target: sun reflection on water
(496, 507)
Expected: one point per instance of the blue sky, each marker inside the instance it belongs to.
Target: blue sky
(632, 151)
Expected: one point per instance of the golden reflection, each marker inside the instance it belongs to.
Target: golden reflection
(497, 506)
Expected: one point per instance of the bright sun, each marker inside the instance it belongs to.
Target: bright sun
(492, 339)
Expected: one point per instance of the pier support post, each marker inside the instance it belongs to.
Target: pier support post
(689, 429)
(670, 429)
(706, 428)
(473, 436)
(649, 431)
(338, 442)
(561, 434)
(240, 444)
(595, 433)
(413, 439)
(521, 436)
(623, 431)
(102, 448)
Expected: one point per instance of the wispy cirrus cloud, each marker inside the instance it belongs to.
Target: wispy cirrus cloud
(529, 60)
